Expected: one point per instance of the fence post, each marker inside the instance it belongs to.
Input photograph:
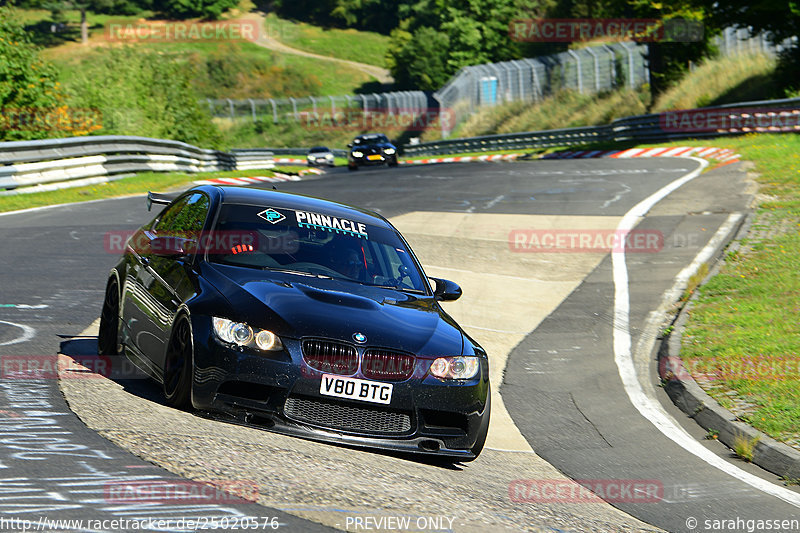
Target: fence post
(333, 108)
(578, 66)
(274, 111)
(294, 109)
(442, 125)
(252, 108)
(612, 80)
(230, 108)
(596, 69)
(313, 105)
(631, 82)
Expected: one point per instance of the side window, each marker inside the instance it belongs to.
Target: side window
(187, 216)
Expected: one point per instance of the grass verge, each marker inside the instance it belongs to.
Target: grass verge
(361, 46)
(741, 337)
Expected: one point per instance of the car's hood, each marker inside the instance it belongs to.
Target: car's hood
(298, 306)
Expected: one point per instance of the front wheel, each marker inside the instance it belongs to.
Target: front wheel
(178, 366)
(108, 336)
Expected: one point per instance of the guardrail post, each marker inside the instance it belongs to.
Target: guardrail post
(313, 105)
(294, 109)
(333, 107)
(230, 107)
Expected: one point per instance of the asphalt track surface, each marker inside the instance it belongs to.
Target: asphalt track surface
(561, 386)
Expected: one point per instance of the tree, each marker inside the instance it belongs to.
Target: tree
(107, 7)
(437, 37)
(30, 94)
(416, 60)
(183, 9)
(778, 20)
(668, 57)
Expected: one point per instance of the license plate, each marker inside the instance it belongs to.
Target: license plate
(373, 157)
(356, 389)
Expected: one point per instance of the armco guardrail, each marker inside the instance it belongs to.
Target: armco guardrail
(768, 116)
(27, 163)
(301, 151)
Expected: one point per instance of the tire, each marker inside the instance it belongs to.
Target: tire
(352, 167)
(108, 336)
(178, 370)
(393, 163)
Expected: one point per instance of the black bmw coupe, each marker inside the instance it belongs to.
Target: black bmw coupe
(371, 149)
(297, 315)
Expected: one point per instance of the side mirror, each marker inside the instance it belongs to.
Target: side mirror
(446, 290)
(349, 145)
(172, 246)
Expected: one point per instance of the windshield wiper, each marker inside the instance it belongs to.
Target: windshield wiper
(298, 272)
(393, 287)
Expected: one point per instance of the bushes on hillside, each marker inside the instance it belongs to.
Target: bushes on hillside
(31, 100)
(138, 92)
(184, 9)
(228, 73)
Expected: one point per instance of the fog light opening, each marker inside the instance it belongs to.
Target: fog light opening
(429, 445)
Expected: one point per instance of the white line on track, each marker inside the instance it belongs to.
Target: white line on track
(646, 406)
(27, 333)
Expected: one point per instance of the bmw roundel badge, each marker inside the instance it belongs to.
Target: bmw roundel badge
(359, 338)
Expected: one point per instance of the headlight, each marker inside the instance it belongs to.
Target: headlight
(309, 156)
(461, 367)
(389, 151)
(358, 154)
(241, 334)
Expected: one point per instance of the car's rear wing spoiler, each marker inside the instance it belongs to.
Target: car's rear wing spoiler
(160, 198)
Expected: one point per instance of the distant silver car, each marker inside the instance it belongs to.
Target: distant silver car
(320, 156)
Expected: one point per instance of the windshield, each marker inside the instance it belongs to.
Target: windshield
(317, 244)
(318, 150)
(372, 139)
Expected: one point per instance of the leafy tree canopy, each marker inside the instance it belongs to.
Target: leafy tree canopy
(31, 99)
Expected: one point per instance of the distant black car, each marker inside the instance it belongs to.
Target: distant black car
(298, 315)
(320, 156)
(371, 149)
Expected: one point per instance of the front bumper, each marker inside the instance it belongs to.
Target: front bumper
(280, 392)
(365, 161)
(320, 162)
